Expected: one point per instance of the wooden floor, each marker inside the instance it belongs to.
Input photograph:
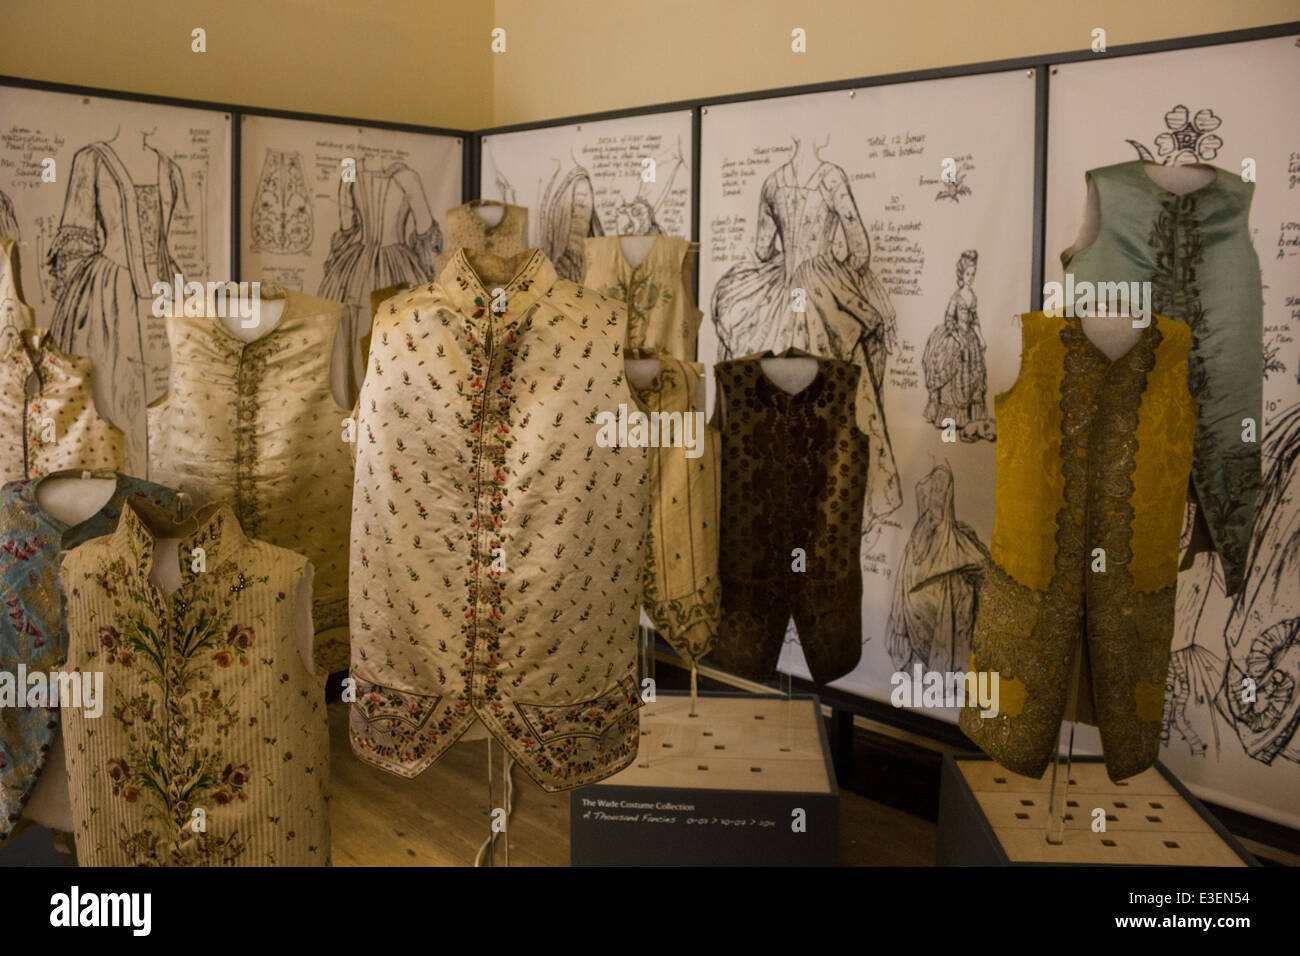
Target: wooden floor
(441, 817)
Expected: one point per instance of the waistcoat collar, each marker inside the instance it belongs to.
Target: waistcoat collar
(532, 277)
(214, 528)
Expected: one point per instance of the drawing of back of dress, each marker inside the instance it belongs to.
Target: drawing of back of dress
(809, 285)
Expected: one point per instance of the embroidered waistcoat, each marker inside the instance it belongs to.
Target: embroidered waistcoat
(661, 313)
(496, 546)
(256, 423)
(1092, 463)
(683, 594)
(1196, 252)
(793, 483)
(33, 632)
(210, 701)
(48, 420)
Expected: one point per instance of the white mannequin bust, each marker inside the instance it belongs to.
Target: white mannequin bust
(636, 248)
(489, 212)
(270, 308)
(791, 375)
(73, 500)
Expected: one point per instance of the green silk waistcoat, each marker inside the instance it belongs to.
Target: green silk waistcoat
(1196, 252)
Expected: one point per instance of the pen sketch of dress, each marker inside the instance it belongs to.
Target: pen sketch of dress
(936, 587)
(1263, 632)
(810, 237)
(110, 249)
(568, 217)
(956, 375)
(638, 216)
(387, 235)
(282, 213)
(1195, 671)
(8, 221)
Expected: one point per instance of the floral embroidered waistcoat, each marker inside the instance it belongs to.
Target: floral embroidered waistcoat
(210, 703)
(496, 546)
(794, 477)
(32, 629)
(256, 423)
(48, 420)
(683, 593)
(1196, 252)
(661, 313)
(1093, 457)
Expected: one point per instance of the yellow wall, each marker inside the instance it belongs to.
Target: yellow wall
(408, 61)
(638, 52)
(429, 62)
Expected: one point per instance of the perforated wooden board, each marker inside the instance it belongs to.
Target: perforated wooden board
(1148, 823)
(733, 743)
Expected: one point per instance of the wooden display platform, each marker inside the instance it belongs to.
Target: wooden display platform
(746, 781)
(989, 816)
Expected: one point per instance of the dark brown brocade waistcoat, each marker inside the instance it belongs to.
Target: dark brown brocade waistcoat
(793, 482)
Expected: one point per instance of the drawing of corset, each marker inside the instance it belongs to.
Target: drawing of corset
(386, 236)
(282, 214)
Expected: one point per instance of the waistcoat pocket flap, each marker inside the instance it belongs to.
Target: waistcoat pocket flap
(391, 710)
(584, 718)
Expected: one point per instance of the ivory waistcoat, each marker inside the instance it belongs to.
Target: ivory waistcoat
(33, 630)
(257, 424)
(683, 594)
(496, 546)
(1092, 465)
(1196, 252)
(209, 702)
(661, 312)
(15, 314)
(54, 426)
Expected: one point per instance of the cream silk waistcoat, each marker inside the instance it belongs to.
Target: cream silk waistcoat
(208, 701)
(48, 420)
(256, 424)
(661, 312)
(496, 546)
(683, 593)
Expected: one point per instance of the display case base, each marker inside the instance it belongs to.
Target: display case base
(989, 816)
(747, 781)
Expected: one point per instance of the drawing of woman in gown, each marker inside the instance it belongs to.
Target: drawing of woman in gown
(936, 589)
(568, 217)
(956, 375)
(110, 249)
(387, 235)
(812, 251)
(1263, 632)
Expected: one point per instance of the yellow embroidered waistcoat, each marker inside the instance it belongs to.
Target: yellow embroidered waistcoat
(256, 424)
(1092, 463)
(683, 593)
(661, 313)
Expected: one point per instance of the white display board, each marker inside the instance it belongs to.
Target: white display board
(914, 203)
(619, 177)
(1226, 106)
(340, 211)
(106, 197)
